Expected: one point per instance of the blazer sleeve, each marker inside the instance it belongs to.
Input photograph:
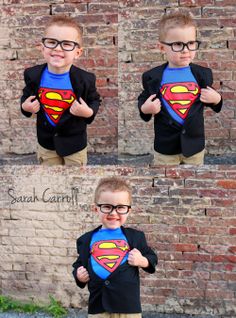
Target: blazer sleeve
(149, 253)
(143, 97)
(93, 98)
(27, 92)
(79, 262)
(208, 78)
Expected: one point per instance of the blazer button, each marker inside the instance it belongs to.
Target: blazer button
(56, 134)
(183, 131)
(107, 282)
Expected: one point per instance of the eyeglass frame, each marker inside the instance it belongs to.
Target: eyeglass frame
(60, 43)
(184, 45)
(114, 207)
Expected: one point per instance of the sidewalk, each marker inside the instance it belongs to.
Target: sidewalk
(112, 159)
(74, 313)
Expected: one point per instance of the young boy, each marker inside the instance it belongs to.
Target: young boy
(176, 93)
(110, 256)
(63, 96)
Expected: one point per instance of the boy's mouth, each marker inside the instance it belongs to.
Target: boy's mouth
(113, 219)
(57, 56)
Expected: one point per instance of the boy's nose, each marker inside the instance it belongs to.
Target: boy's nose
(113, 212)
(58, 48)
(185, 49)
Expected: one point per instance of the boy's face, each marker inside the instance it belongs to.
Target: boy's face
(59, 61)
(179, 34)
(113, 220)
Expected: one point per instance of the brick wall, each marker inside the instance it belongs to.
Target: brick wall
(21, 29)
(138, 37)
(188, 215)
(22, 24)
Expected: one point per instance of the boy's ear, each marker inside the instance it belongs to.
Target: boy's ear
(79, 53)
(161, 47)
(94, 208)
(40, 47)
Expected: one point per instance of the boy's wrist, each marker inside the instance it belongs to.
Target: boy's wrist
(144, 109)
(144, 262)
(218, 99)
(89, 112)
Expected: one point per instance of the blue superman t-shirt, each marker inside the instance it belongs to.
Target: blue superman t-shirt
(179, 89)
(55, 95)
(108, 249)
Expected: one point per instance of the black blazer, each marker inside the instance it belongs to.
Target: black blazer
(69, 136)
(120, 292)
(170, 137)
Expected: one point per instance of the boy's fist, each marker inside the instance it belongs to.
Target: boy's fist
(210, 96)
(82, 274)
(31, 105)
(81, 109)
(135, 258)
(151, 106)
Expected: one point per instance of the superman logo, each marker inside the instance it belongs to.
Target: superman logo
(180, 96)
(109, 254)
(55, 102)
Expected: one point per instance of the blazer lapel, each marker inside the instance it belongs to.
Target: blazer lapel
(202, 83)
(36, 74)
(156, 77)
(86, 252)
(77, 81)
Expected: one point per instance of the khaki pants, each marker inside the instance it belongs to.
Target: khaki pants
(50, 157)
(107, 315)
(197, 159)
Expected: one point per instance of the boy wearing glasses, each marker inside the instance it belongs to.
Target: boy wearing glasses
(63, 96)
(110, 256)
(176, 94)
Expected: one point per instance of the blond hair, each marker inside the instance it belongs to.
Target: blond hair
(61, 20)
(113, 184)
(173, 20)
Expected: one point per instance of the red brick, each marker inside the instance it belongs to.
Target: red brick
(212, 293)
(224, 202)
(185, 247)
(232, 231)
(196, 257)
(190, 293)
(232, 249)
(196, 3)
(179, 173)
(222, 3)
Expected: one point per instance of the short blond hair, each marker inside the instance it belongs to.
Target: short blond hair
(173, 20)
(62, 20)
(113, 184)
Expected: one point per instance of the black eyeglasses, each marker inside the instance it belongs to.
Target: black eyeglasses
(179, 46)
(65, 45)
(108, 208)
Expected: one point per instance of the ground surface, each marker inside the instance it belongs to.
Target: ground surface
(112, 159)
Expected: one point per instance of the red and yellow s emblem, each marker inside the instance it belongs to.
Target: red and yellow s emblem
(109, 254)
(180, 96)
(55, 102)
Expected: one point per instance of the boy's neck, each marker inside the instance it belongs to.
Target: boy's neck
(177, 68)
(58, 71)
(105, 228)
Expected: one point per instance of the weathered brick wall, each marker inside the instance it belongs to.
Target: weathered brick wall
(188, 215)
(22, 25)
(138, 21)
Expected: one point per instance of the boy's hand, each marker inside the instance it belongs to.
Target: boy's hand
(81, 109)
(82, 274)
(135, 258)
(30, 105)
(210, 96)
(151, 106)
